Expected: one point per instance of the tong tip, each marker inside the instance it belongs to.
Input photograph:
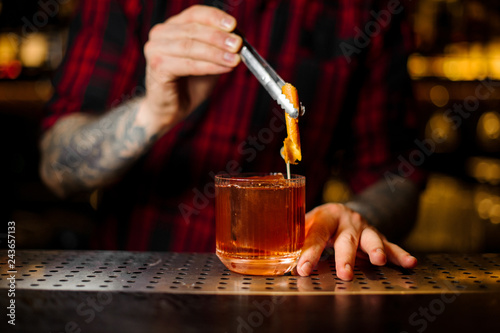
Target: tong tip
(289, 108)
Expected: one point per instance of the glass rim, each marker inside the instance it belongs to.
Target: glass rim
(248, 177)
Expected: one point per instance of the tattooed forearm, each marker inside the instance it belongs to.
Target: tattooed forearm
(82, 152)
(391, 212)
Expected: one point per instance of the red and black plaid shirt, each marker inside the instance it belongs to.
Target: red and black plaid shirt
(355, 91)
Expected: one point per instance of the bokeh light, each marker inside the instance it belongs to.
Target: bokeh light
(459, 62)
(495, 214)
(336, 190)
(483, 208)
(8, 48)
(487, 203)
(488, 131)
(439, 95)
(34, 50)
(418, 66)
(484, 170)
(440, 130)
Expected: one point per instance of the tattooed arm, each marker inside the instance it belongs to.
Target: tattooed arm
(82, 152)
(184, 55)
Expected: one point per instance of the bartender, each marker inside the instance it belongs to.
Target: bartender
(151, 101)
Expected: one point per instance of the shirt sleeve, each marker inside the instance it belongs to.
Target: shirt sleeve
(384, 125)
(100, 64)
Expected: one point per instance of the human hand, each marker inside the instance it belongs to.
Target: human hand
(351, 236)
(184, 56)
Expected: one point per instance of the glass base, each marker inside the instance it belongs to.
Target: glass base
(264, 266)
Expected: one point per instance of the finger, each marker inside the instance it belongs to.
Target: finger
(195, 50)
(398, 256)
(372, 244)
(346, 245)
(310, 219)
(206, 34)
(170, 68)
(320, 229)
(172, 64)
(206, 15)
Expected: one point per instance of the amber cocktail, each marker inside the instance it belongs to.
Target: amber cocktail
(260, 222)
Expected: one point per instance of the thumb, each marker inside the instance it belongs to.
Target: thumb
(199, 88)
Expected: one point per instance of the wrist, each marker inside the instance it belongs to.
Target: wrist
(363, 209)
(156, 121)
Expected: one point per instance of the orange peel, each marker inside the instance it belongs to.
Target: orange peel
(292, 152)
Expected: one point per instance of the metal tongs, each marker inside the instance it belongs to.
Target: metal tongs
(267, 77)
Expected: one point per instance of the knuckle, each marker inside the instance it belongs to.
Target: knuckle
(154, 30)
(155, 62)
(217, 37)
(212, 54)
(191, 30)
(196, 7)
(349, 238)
(187, 45)
(333, 208)
(191, 63)
(217, 55)
(356, 216)
(370, 228)
(189, 10)
(147, 48)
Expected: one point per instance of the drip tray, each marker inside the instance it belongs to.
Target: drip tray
(204, 274)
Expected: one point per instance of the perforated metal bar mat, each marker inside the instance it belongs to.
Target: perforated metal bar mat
(205, 274)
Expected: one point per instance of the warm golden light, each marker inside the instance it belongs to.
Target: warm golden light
(439, 129)
(488, 131)
(459, 62)
(439, 95)
(487, 204)
(484, 207)
(451, 69)
(495, 214)
(437, 66)
(492, 125)
(478, 65)
(336, 190)
(34, 50)
(417, 65)
(494, 173)
(447, 217)
(8, 48)
(479, 195)
(493, 55)
(484, 170)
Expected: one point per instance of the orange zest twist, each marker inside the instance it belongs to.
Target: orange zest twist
(291, 144)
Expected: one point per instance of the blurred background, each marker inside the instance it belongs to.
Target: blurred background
(456, 77)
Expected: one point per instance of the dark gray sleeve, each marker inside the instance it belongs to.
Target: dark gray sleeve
(392, 209)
